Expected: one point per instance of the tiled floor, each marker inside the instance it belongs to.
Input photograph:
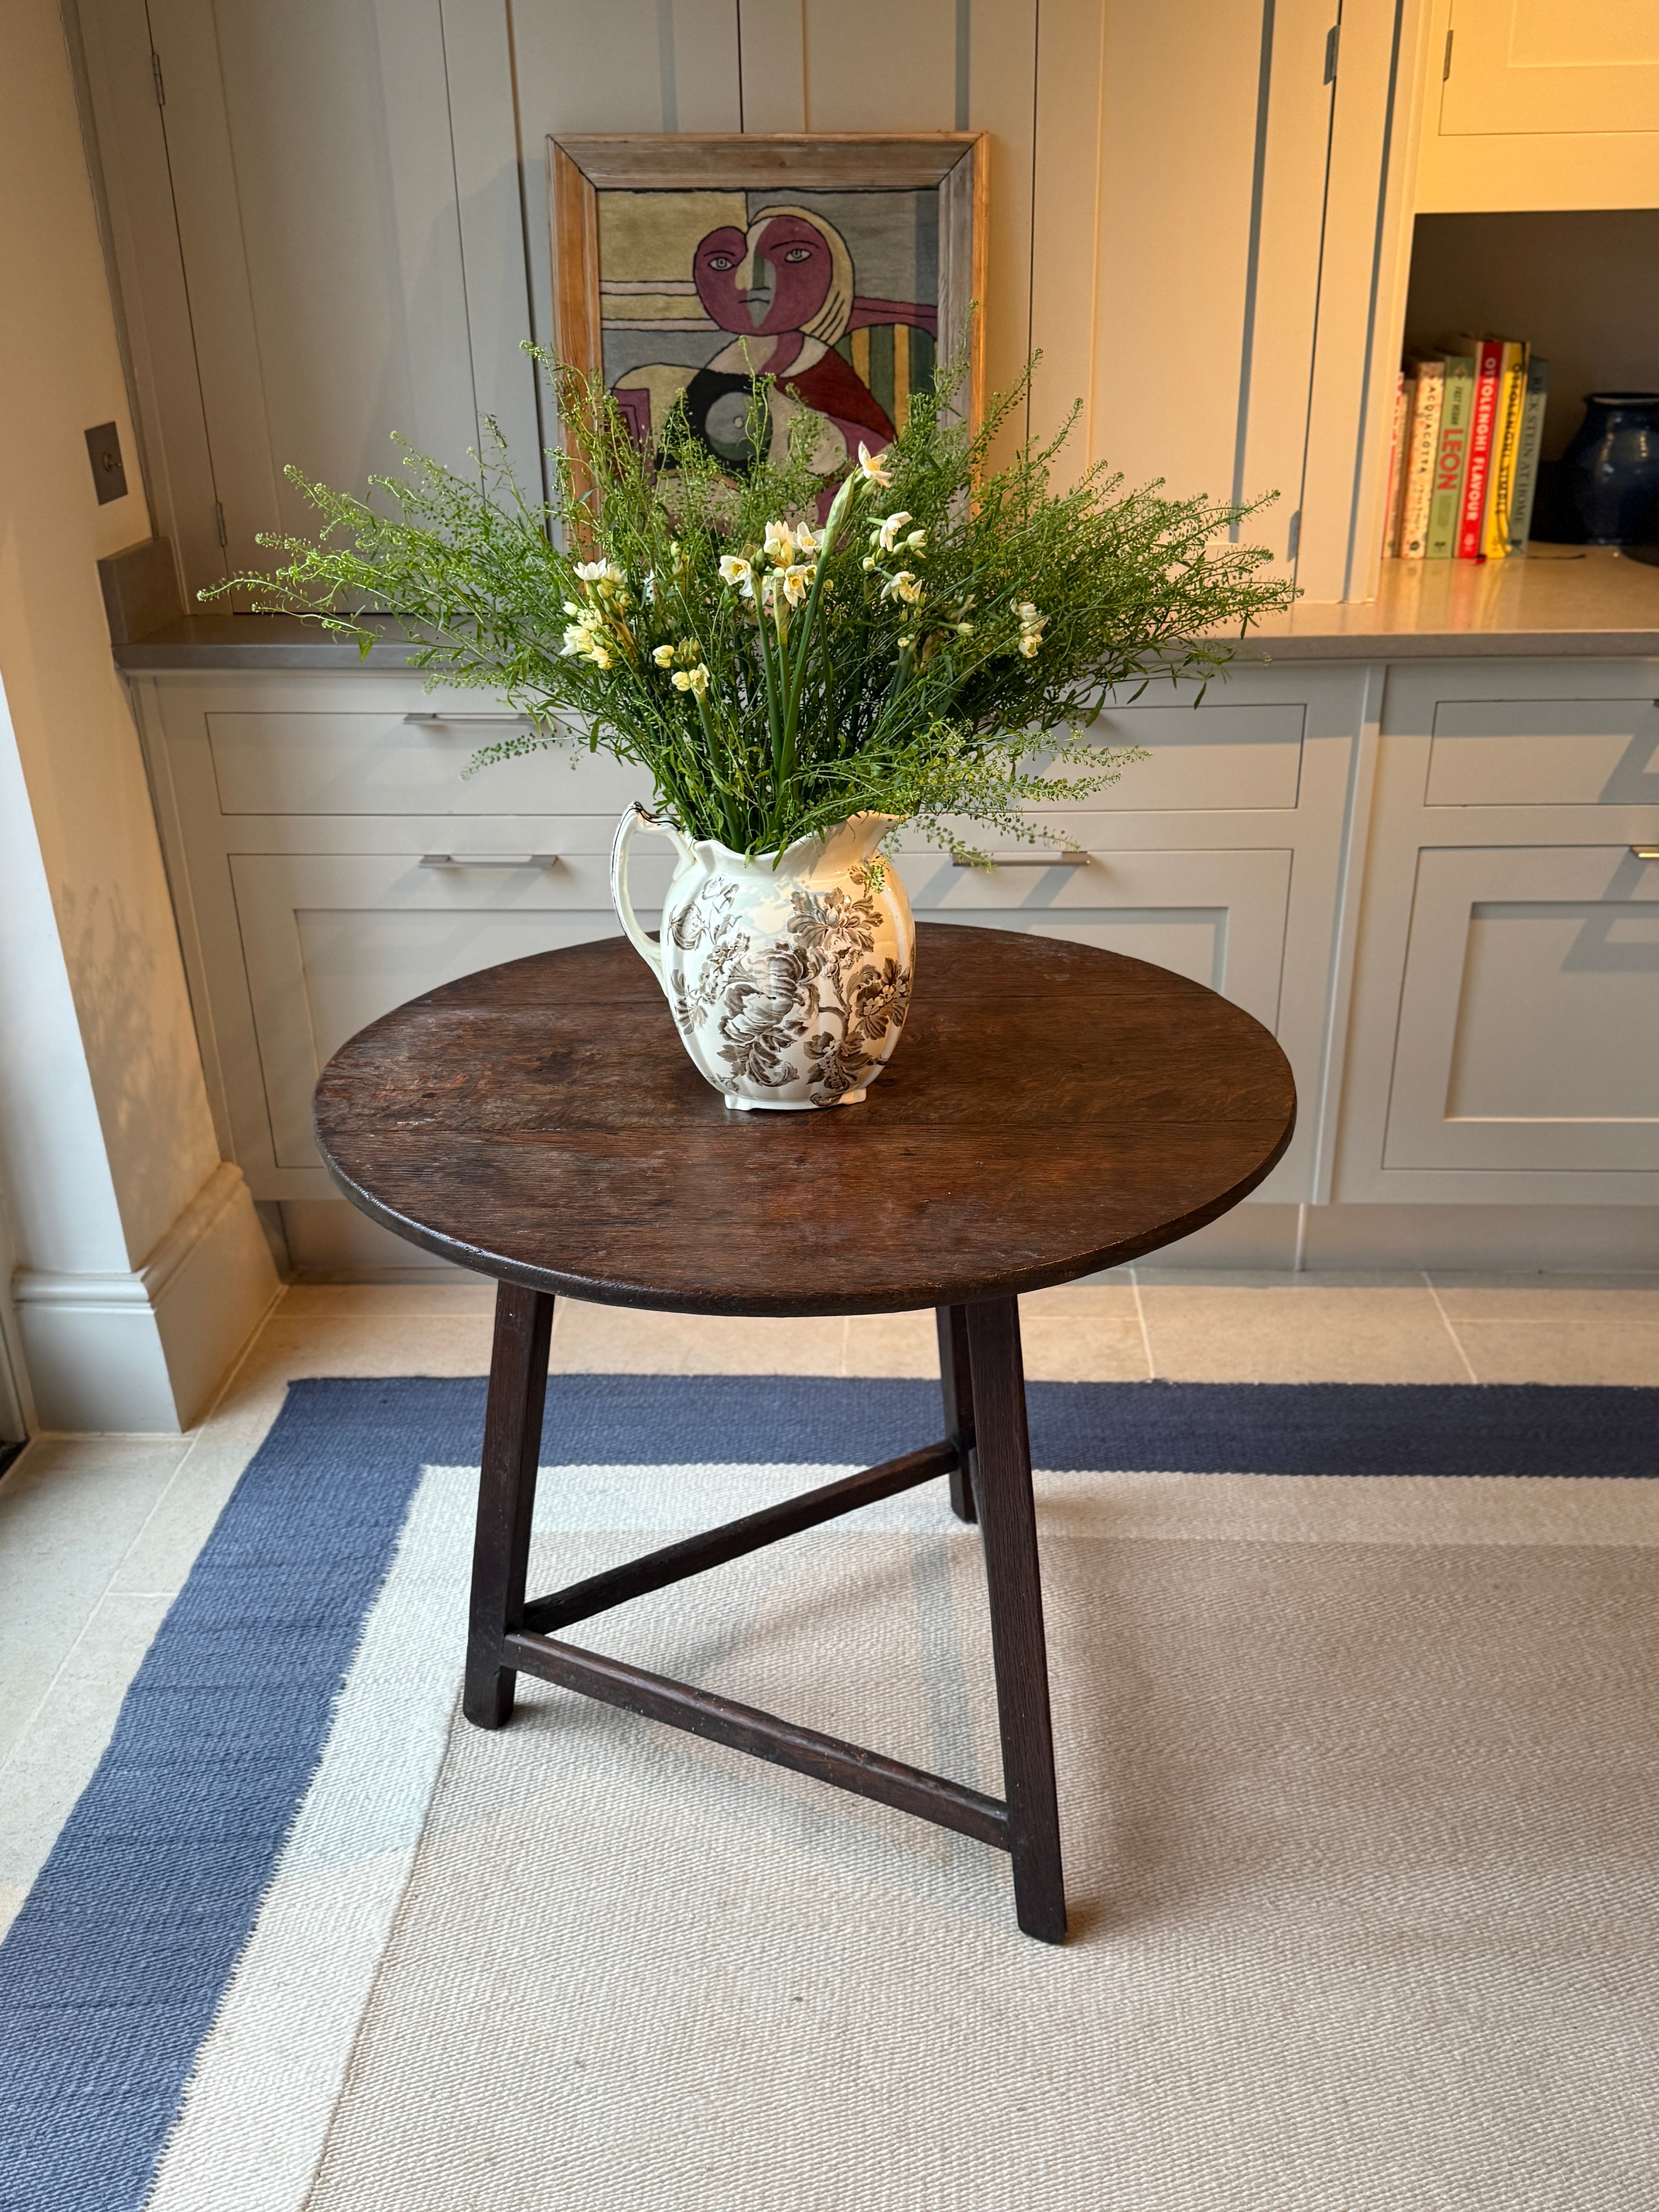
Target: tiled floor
(97, 1535)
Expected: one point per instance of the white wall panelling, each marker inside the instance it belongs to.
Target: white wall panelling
(337, 225)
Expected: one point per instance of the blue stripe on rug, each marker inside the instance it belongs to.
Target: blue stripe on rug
(115, 1967)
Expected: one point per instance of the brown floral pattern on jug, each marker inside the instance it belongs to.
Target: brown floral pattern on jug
(818, 1010)
(789, 976)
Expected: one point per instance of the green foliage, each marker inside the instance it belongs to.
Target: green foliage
(930, 651)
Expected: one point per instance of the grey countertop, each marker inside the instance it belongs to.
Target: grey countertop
(1560, 600)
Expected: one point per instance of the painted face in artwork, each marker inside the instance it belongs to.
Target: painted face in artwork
(771, 279)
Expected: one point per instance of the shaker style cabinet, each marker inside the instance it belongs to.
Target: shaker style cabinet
(329, 861)
(1534, 104)
(1505, 1042)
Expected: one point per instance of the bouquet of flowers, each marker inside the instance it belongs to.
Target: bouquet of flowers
(927, 638)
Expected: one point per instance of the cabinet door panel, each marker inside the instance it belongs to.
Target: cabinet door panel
(1534, 65)
(1527, 1035)
(1216, 916)
(1544, 752)
(395, 761)
(333, 941)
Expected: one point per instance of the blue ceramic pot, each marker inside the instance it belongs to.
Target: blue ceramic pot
(1611, 468)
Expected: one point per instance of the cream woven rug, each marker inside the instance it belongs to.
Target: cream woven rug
(1358, 1785)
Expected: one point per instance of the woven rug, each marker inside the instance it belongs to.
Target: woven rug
(1356, 1717)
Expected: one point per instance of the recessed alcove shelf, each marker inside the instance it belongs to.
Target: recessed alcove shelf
(1579, 284)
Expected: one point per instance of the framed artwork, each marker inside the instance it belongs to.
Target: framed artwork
(843, 268)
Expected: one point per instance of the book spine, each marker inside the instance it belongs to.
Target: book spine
(1488, 364)
(1451, 463)
(1528, 453)
(1402, 391)
(1505, 439)
(1423, 446)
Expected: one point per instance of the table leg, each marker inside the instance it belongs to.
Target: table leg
(506, 1496)
(956, 1382)
(1008, 1521)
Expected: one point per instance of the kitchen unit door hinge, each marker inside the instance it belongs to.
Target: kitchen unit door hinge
(219, 521)
(156, 78)
(1332, 40)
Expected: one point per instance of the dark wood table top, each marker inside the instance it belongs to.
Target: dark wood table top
(1051, 1110)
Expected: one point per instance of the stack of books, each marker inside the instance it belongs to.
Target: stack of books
(1468, 422)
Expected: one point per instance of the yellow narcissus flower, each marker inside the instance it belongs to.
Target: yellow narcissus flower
(695, 680)
(664, 656)
(903, 586)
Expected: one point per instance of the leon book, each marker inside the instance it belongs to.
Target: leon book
(1451, 459)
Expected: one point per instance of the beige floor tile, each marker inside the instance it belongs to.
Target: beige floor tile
(300, 1301)
(904, 1344)
(70, 1508)
(1545, 1299)
(623, 1340)
(1100, 1301)
(370, 1344)
(57, 1754)
(1562, 1351)
(1084, 1347)
(1314, 1333)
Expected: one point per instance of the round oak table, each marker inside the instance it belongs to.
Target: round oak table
(1051, 1110)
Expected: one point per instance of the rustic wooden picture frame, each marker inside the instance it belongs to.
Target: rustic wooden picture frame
(952, 164)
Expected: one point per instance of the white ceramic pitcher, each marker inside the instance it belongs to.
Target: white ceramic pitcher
(788, 975)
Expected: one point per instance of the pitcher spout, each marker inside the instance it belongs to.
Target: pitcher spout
(849, 844)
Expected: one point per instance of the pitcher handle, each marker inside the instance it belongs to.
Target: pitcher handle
(636, 818)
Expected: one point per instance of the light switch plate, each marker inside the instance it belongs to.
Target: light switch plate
(108, 471)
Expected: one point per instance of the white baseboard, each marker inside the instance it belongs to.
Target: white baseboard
(144, 1351)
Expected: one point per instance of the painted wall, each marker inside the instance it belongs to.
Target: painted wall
(105, 1128)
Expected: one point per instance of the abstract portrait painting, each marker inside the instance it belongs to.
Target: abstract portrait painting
(833, 274)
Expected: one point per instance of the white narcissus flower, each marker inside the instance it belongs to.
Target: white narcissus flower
(916, 542)
(779, 544)
(599, 572)
(736, 571)
(664, 656)
(885, 534)
(795, 582)
(870, 467)
(695, 680)
(903, 586)
(810, 543)
(1029, 642)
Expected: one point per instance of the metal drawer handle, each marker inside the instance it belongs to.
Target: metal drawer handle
(489, 860)
(1646, 851)
(495, 721)
(1068, 860)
